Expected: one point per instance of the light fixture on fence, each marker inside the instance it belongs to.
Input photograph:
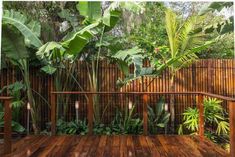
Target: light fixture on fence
(76, 108)
(166, 107)
(130, 105)
(28, 118)
(76, 104)
(28, 106)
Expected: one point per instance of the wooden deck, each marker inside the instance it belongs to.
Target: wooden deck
(115, 146)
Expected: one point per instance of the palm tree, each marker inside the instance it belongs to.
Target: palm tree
(184, 42)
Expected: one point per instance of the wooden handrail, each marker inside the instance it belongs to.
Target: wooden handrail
(138, 93)
(141, 93)
(5, 98)
(7, 123)
(218, 96)
(201, 95)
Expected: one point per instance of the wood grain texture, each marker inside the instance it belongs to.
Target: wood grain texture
(145, 114)
(115, 146)
(201, 115)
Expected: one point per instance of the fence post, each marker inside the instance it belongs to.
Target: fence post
(7, 126)
(53, 108)
(90, 114)
(53, 114)
(145, 114)
(232, 127)
(201, 115)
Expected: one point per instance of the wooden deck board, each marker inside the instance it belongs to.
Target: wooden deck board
(115, 146)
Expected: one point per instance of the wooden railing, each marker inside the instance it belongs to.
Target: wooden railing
(201, 95)
(7, 124)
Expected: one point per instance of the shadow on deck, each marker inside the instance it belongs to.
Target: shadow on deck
(115, 146)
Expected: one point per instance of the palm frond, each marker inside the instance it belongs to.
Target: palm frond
(171, 29)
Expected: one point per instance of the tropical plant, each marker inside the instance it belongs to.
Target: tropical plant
(214, 115)
(15, 90)
(184, 42)
(101, 129)
(158, 117)
(17, 127)
(222, 27)
(96, 25)
(125, 122)
(72, 127)
(18, 35)
(147, 29)
(219, 24)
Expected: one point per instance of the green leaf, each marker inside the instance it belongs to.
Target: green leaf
(123, 66)
(13, 44)
(75, 44)
(90, 10)
(48, 69)
(215, 6)
(160, 106)
(16, 86)
(124, 54)
(17, 127)
(111, 18)
(47, 48)
(30, 30)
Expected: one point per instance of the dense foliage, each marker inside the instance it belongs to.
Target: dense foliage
(50, 35)
(125, 121)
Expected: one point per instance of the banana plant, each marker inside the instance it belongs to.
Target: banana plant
(18, 34)
(96, 25)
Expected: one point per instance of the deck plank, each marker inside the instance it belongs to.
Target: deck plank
(115, 146)
(101, 146)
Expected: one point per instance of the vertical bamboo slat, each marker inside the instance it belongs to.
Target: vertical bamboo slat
(201, 76)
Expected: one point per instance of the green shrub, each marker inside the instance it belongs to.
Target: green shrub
(158, 118)
(215, 116)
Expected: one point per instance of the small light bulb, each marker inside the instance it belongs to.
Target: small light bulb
(77, 104)
(166, 107)
(28, 152)
(28, 106)
(130, 105)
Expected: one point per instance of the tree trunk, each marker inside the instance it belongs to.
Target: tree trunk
(172, 105)
(93, 78)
